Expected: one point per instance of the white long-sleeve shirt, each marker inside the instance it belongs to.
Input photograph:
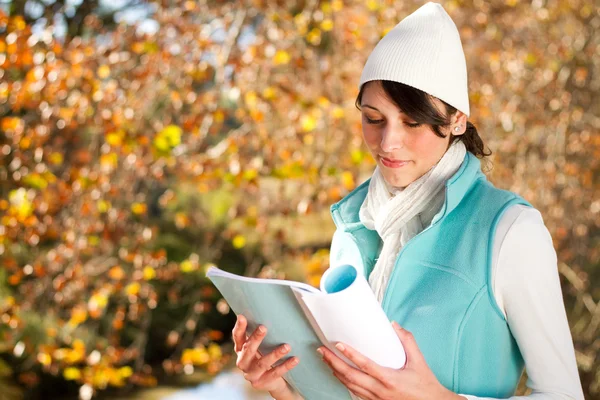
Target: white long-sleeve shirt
(526, 285)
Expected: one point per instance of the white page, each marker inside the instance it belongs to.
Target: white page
(353, 315)
(213, 271)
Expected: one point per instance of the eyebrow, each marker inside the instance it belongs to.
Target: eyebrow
(366, 105)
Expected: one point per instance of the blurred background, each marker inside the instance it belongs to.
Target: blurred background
(144, 141)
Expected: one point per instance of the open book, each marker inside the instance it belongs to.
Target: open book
(343, 310)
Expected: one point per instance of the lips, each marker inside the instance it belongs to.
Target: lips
(392, 163)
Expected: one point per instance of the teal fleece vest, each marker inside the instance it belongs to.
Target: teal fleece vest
(440, 288)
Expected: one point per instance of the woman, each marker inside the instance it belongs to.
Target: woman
(469, 269)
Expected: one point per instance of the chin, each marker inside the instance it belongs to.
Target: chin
(397, 182)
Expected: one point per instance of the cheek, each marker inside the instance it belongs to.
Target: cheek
(372, 136)
(429, 147)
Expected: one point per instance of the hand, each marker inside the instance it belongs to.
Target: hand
(257, 368)
(370, 381)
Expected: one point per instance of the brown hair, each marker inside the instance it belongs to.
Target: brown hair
(418, 105)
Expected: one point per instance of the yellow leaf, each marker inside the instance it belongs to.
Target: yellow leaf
(25, 142)
(170, 137)
(149, 273)
(327, 25)
(109, 161)
(35, 180)
(187, 356)
(44, 358)
(337, 112)
(308, 123)
(161, 143)
(103, 206)
(314, 36)
(530, 59)
(348, 180)
(103, 71)
(72, 374)
(251, 99)
(20, 23)
(139, 208)
(98, 300)
(373, 5)
(281, 57)
(56, 158)
(132, 289)
(114, 139)
(250, 174)
(323, 102)
(337, 5)
(187, 266)
(357, 156)
(93, 240)
(125, 372)
(20, 203)
(78, 315)
(4, 92)
(200, 356)
(239, 241)
(214, 351)
(219, 116)
(181, 220)
(326, 7)
(269, 93)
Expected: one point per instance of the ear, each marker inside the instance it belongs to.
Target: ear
(459, 119)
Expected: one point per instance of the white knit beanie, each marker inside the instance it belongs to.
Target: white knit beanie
(423, 51)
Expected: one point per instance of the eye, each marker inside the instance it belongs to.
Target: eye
(373, 121)
(413, 125)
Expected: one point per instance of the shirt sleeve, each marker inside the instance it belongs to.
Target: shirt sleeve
(527, 289)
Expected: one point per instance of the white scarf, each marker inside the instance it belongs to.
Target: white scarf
(402, 214)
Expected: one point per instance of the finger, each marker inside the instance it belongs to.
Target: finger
(248, 353)
(361, 392)
(349, 373)
(262, 365)
(278, 371)
(239, 332)
(363, 363)
(413, 353)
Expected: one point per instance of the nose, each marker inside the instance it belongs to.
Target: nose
(391, 140)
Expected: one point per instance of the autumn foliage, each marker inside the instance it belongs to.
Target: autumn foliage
(131, 161)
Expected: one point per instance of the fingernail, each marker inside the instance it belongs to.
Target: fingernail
(294, 361)
(262, 329)
(320, 351)
(285, 348)
(340, 347)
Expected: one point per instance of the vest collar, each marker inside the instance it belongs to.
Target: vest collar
(345, 211)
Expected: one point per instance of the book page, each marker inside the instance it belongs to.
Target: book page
(349, 313)
(213, 271)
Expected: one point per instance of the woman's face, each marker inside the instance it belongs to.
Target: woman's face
(404, 150)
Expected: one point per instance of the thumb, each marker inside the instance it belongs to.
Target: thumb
(413, 353)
